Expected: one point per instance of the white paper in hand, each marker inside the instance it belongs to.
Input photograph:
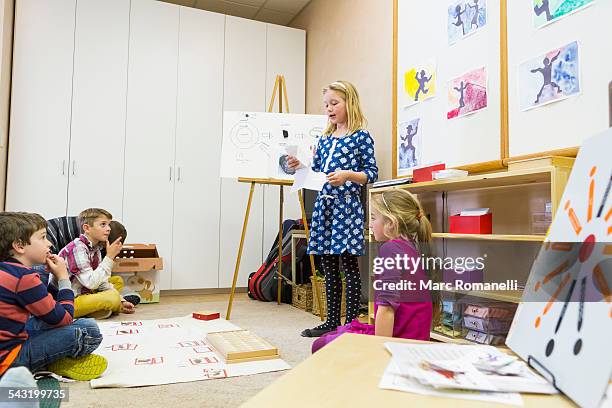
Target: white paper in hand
(307, 179)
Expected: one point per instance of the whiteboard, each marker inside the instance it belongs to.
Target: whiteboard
(568, 122)
(422, 36)
(254, 143)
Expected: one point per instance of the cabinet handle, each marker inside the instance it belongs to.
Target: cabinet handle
(63, 167)
(170, 179)
(179, 174)
(73, 162)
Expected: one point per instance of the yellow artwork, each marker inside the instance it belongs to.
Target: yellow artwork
(419, 83)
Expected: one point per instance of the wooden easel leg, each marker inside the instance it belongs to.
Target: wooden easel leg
(279, 270)
(238, 258)
(273, 96)
(285, 95)
(315, 288)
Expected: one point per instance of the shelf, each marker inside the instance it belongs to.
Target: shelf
(511, 296)
(446, 339)
(500, 179)
(490, 237)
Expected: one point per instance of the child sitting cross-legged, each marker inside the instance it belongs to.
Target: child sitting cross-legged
(36, 330)
(95, 295)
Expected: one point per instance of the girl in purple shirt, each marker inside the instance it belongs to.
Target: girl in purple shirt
(398, 220)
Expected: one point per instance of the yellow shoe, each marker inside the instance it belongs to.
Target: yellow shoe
(81, 369)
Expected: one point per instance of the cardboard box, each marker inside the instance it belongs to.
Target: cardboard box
(139, 266)
(471, 224)
(425, 173)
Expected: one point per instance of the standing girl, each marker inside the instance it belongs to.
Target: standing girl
(397, 219)
(346, 154)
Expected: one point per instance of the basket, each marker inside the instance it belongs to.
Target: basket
(301, 296)
(321, 288)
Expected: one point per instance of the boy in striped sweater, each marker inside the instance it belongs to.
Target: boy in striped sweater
(51, 338)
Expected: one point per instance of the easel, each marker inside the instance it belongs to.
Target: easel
(280, 86)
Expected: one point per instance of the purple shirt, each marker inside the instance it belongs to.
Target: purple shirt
(413, 308)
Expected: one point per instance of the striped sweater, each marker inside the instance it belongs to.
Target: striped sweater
(22, 294)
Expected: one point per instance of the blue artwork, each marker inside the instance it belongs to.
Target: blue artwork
(465, 18)
(408, 146)
(550, 77)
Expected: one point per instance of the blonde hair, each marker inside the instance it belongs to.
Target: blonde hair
(404, 215)
(355, 118)
(90, 215)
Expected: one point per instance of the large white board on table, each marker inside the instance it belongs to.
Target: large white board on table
(255, 142)
(569, 122)
(423, 36)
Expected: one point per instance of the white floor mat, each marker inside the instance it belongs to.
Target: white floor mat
(166, 351)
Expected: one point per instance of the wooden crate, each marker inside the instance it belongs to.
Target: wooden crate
(321, 287)
(301, 296)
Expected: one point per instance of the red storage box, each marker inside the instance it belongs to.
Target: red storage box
(471, 224)
(425, 173)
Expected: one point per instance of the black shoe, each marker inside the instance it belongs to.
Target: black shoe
(132, 298)
(316, 332)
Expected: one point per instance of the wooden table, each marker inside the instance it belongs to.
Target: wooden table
(348, 371)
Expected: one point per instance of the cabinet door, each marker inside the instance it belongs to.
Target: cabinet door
(40, 107)
(195, 257)
(286, 55)
(99, 106)
(244, 90)
(150, 127)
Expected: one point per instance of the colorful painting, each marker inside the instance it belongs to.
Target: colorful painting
(408, 146)
(467, 93)
(550, 77)
(563, 324)
(419, 83)
(465, 18)
(548, 11)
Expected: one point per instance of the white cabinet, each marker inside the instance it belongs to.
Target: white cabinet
(41, 107)
(195, 248)
(99, 106)
(244, 89)
(150, 127)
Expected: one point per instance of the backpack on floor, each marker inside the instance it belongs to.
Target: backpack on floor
(262, 284)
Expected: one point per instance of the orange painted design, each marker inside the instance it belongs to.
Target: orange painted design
(590, 207)
(560, 269)
(574, 221)
(608, 215)
(567, 204)
(562, 246)
(603, 285)
(538, 321)
(610, 230)
(593, 170)
(553, 298)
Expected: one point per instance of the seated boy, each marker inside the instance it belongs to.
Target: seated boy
(52, 340)
(95, 296)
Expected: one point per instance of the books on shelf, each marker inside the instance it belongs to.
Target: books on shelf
(392, 182)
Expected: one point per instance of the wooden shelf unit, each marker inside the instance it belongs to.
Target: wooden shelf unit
(552, 170)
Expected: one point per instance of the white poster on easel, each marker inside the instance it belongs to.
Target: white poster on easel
(563, 326)
(256, 144)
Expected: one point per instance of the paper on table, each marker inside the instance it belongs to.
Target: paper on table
(411, 355)
(308, 179)
(393, 380)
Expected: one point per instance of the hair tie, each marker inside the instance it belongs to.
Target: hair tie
(382, 195)
(419, 215)
(338, 84)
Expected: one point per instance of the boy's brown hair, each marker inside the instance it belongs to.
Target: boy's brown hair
(17, 227)
(117, 230)
(89, 215)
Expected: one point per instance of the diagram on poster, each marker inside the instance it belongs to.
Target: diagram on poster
(255, 143)
(563, 325)
(408, 146)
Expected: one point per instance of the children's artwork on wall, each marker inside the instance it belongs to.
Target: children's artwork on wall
(408, 146)
(419, 83)
(550, 77)
(548, 11)
(467, 93)
(563, 325)
(465, 18)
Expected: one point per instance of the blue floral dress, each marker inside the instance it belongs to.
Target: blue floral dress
(338, 219)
